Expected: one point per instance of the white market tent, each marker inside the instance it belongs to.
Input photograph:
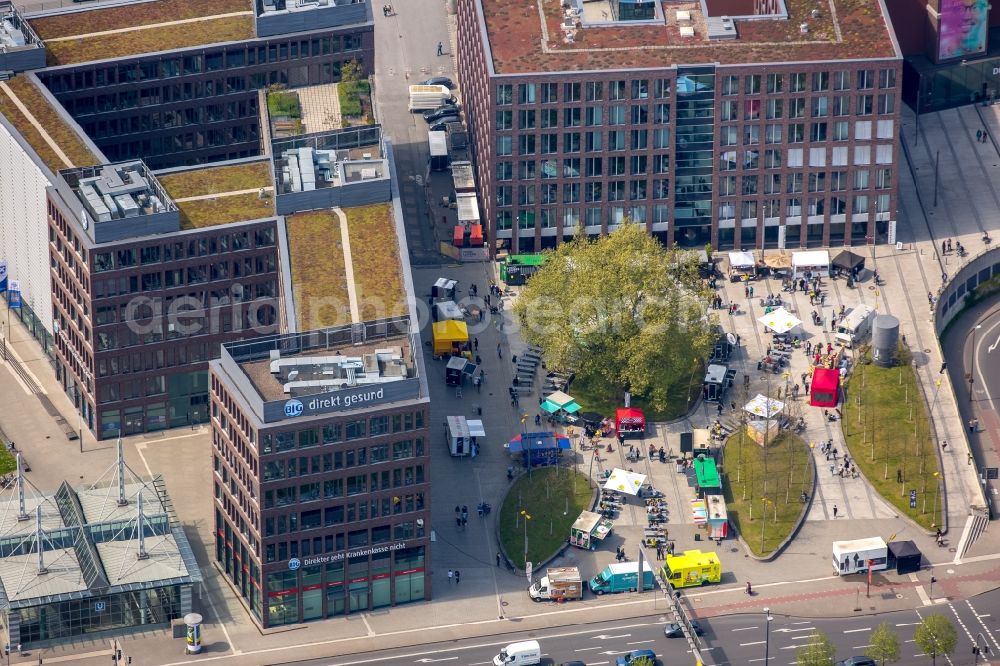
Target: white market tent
(625, 482)
(780, 320)
(816, 262)
(741, 261)
(764, 407)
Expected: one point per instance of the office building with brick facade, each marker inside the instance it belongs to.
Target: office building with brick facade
(737, 123)
(321, 469)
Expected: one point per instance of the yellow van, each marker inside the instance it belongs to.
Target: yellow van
(691, 568)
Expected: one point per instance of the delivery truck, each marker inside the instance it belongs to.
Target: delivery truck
(855, 326)
(622, 577)
(558, 584)
(425, 98)
(691, 568)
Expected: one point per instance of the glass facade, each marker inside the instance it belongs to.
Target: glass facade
(78, 617)
(694, 156)
(947, 86)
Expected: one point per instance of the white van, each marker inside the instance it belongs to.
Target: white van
(855, 326)
(522, 653)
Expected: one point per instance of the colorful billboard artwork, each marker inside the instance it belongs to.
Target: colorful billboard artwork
(963, 28)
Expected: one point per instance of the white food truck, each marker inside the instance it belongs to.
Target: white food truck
(857, 555)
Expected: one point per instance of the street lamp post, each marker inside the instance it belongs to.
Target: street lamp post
(972, 362)
(527, 517)
(767, 634)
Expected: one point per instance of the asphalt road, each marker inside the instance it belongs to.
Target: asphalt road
(986, 357)
(730, 640)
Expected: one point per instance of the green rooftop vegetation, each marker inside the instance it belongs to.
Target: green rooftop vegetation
(283, 103)
(49, 119)
(201, 213)
(150, 40)
(319, 278)
(214, 180)
(377, 267)
(132, 16)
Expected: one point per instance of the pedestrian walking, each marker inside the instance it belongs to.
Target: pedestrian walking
(479, 384)
(749, 588)
(440, 48)
(465, 513)
(719, 407)
(751, 291)
(498, 559)
(835, 510)
(451, 574)
(475, 344)
(973, 424)
(979, 135)
(944, 445)
(732, 406)
(499, 351)
(985, 136)
(746, 291)
(944, 366)
(458, 576)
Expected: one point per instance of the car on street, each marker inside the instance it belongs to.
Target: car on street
(636, 657)
(437, 114)
(857, 661)
(442, 124)
(439, 81)
(674, 630)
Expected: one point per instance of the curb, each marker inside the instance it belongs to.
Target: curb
(795, 529)
(559, 552)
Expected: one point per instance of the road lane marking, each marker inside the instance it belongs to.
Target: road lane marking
(754, 643)
(854, 631)
(744, 629)
(860, 647)
(907, 624)
(797, 647)
(640, 642)
(587, 649)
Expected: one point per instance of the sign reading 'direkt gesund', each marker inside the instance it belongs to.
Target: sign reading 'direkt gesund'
(295, 563)
(341, 400)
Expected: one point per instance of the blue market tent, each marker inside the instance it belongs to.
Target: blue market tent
(539, 448)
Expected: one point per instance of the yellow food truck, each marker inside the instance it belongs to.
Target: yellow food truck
(692, 567)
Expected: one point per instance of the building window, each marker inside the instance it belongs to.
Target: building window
(730, 85)
(774, 83)
(595, 91)
(505, 94)
(797, 82)
(550, 93)
(550, 118)
(526, 93)
(887, 78)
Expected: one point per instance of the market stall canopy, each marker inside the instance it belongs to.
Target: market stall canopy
(778, 261)
(560, 401)
(450, 330)
(538, 441)
(591, 418)
(476, 428)
(780, 320)
(849, 261)
(625, 482)
(445, 284)
(630, 419)
(825, 388)
(816, 261)
(741, 260)
(764, 407)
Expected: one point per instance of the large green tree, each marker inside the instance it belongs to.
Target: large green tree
(883, 645)
(621, 311)
(935, 636)
(819, 651)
